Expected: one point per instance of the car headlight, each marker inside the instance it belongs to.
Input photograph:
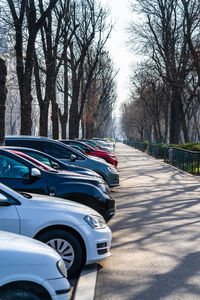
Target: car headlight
(102, 187)
(62, 268)
(111, 156)
(95, 222)
(112, 169)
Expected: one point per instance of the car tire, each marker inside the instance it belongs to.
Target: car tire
(18, 294)
(68, 246)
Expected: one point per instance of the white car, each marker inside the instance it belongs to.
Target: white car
(78, 233)
(30, 270)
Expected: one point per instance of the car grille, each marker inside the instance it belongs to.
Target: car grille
(102, 248)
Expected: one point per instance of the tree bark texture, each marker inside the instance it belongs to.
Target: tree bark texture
(3, 92)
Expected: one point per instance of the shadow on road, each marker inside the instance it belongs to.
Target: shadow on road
(156, 233)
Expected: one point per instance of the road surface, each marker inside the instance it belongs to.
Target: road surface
(156, 233)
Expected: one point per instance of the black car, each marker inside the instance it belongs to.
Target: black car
(23, 175)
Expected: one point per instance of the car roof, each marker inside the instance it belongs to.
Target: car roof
(27, 137)
(42, 138)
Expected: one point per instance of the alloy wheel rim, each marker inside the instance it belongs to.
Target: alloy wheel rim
(65, 249)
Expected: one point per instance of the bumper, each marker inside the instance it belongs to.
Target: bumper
(59, 289)
(109, 209)
(109, 214)
(113, 180)
(98, 245)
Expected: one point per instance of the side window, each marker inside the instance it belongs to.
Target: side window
(11, 168)
(56, 150)
(31, 144)
(52, 149)
(41, 158)
(66, 153)
(6, 197)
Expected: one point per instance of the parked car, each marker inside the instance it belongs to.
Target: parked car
(89, 150)
(23, 175)
(57, 164)
(29, 269)
(105, 145)
(67, 155)
(94, 144)
(70, 176)
(78, 233)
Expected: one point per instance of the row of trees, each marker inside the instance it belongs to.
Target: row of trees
(164, 104)
(62, 64)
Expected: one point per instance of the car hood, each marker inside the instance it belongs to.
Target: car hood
(74, 175)
(16, 248)
(99, 159)
(101, 152)
(83, 171)
(62, 204)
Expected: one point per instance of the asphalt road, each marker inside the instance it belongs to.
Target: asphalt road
(156, 233)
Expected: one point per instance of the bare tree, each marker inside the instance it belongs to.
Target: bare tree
(26, 14)
(100, 98)
(92, 27)
(163, 35)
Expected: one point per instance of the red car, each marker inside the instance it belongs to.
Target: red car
(89, 150)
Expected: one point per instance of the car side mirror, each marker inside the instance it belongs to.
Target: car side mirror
(55, 166)
(72, 157)
(35, 173)
(4, 201)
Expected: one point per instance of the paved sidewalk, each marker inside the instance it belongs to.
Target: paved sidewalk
(156, 233)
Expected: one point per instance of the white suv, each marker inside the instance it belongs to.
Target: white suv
(30, 270)
(78, 233)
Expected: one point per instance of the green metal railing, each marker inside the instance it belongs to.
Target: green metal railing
(186, 160)
(155, 150)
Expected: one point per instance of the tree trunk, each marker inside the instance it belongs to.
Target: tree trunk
(55, 123)
(55, 112)
(63, 128)
(175, 117)
(184, 126)
(26, 109)
(3, 92)
(73, 116)
(44, 114)
(64, 117)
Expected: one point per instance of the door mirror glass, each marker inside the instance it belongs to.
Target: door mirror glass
(35, 172)
(72, 157)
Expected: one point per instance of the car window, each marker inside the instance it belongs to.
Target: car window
(49, 149)
(7, 197)
(56, 150)
(11, 168)
(41, 158)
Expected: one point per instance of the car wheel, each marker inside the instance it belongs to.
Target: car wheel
(67, 245)
(18, 294)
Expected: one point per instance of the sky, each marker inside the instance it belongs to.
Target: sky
(119, 52)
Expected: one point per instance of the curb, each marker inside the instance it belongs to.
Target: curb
(85, 288)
